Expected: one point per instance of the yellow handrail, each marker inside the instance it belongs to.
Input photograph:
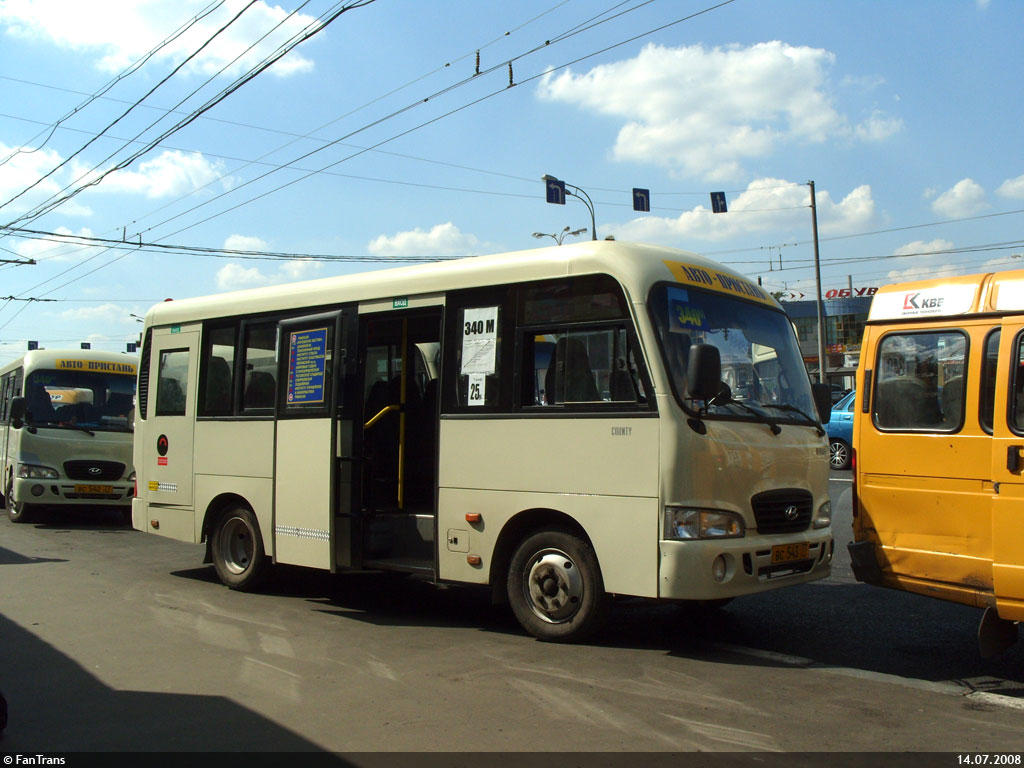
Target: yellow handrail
(385, 410)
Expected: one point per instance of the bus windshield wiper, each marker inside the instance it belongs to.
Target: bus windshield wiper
(725, 398)
(79, 428)
(793, 409)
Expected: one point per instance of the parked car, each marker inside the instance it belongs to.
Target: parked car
(840, 432)
(838, 393)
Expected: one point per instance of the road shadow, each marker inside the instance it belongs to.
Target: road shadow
(828, 623)
(81, 519)
(55, 705)
(10, 557)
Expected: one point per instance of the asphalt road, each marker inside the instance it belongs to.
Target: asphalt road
(115, 640)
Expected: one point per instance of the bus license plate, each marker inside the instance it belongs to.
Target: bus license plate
(100, 490)
(785, 553)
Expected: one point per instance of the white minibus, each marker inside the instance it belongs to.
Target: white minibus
(66, 423)
(552, 423)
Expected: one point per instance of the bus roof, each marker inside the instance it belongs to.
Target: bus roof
(992, 292)
(635, 265)
(73, 359)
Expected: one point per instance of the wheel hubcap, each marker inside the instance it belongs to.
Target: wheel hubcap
(838, 454)
(553, 586)
(236, 545)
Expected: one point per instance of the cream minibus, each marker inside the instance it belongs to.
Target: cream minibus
(939, 446)
(66, 419)
(551, 423)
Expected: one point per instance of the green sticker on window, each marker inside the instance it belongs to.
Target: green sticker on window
(400, 304)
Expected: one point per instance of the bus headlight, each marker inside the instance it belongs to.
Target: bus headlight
(824, 517)
(683, 524)
(37, 472)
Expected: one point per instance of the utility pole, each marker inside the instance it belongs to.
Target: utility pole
(817, 279)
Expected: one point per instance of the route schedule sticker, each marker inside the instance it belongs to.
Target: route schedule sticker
(479, 340)
(307, 363)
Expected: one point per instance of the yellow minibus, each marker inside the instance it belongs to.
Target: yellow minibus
(939, 446)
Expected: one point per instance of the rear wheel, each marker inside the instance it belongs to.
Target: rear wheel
(838, 454)
(237, 549)
(555, 587)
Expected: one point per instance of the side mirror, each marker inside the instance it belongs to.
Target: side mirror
(822, 400)
(17, 412)
(704, 371)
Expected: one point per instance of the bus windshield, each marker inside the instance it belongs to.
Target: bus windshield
(96, 401)
(761, 362)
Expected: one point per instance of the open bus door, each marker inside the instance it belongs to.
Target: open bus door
(313, 446)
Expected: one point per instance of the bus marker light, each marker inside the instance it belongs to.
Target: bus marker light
(155, 524)
(474, 559)
(474, 517)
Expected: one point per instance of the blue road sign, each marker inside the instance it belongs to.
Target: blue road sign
(641, 200)
(555, 191)
(718, 202)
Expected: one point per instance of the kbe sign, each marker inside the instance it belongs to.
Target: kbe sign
(849, 293)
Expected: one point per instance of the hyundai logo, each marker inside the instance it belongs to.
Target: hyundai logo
(99, 471)
(792, 513)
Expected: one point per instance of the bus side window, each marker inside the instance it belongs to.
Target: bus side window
(920, 381)
(987, 391)
(1017, 401)
(260, 350)
(172, 383)
(217, 371)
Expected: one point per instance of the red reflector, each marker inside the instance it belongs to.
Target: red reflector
(474, 559)
(474, 517)
(155, 523)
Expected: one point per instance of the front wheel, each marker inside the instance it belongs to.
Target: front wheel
(18, 511)
(838, 454)
(555, 587)
(237, 549)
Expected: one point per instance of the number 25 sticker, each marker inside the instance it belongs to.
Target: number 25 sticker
(477, 383)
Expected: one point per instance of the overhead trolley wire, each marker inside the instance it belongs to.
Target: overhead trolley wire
(127, 72)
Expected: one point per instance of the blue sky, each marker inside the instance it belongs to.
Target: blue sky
(374, 139)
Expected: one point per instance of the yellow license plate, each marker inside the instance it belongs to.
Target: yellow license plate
(94, 489)
(785, 553)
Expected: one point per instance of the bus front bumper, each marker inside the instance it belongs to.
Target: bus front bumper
(64, 492)
(712, 569)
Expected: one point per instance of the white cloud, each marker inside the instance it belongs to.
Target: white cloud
(878, 127)
(767, 205)
(1012, 188)
(105, 313)
(441, 240)
(233, 276)
(245, 243)
(118, 33)
(25, 168)
(172, 173)
(704, 111)
(965, 198)
(923, 247)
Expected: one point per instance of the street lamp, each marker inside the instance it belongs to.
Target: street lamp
(558, 238)
(579, 194)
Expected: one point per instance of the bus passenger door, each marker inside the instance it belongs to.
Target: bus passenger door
(172, 419)
(308, 442)
(1008, 473)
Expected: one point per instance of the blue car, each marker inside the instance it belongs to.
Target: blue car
(840, 432)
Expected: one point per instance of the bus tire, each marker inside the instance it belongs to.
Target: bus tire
(17, 511)
(237, 549)
(555, 587)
